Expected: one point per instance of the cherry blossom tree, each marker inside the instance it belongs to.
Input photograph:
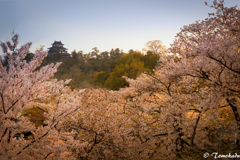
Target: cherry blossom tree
(23, 87)
(209, 51)
(90, 124)
(200, 86)
(190, 105)
(110, 127)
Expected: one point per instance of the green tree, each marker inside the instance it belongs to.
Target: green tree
(100, 78)
(150, 61)
(130, 65)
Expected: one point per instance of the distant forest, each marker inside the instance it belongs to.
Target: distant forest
(105, 69)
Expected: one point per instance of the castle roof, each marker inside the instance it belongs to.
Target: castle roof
(59, 46)
(57, 43)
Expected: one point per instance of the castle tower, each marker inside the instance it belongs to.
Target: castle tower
(57, 47)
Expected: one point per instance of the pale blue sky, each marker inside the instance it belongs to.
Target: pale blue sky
(105, 24)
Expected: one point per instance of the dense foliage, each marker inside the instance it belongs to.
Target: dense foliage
(103, 70)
